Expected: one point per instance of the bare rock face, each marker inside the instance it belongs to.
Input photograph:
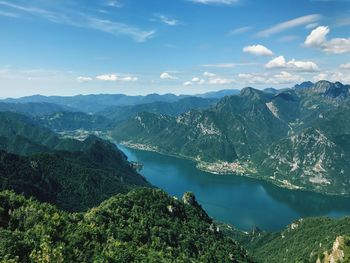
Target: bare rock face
(189, 199)
(337, 253)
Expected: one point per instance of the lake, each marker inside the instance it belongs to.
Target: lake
(240, 201)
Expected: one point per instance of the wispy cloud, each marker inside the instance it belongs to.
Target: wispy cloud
(114, 3)
(345, 66)
(77, 19)
(227, 65)
(240, 30)
(117, 29)
(9, 14)
(344, 21)
(220, 65)
(215, 2)
(168, 20)
(299, 21)
(84, 79)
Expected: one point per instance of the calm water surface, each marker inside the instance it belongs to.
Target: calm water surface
(240, 201)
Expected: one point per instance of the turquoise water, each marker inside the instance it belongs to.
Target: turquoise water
(240, 201)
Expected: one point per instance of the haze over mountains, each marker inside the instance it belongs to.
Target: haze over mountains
(296, 138)
(99, 102)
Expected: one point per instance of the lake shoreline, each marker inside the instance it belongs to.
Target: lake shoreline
(240, 170)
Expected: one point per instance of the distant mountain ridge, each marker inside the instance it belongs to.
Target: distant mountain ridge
(98, 102)
(267, 135)
(119, 113)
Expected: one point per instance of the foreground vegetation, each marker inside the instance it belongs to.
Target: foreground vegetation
(143, 226)
(305, 240)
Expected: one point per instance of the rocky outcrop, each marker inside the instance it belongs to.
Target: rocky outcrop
(337, 254)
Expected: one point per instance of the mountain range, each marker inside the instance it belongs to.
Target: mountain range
(68, 200)
(99, 102)
(295, 138)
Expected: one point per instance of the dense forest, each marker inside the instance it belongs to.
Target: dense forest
(144, 225)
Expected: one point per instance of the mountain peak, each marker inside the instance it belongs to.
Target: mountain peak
(251, 92)
(304, 85)
(333, 90)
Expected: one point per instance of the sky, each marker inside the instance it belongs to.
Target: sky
(69, 47)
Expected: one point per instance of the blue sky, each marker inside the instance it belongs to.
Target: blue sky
(62, 47)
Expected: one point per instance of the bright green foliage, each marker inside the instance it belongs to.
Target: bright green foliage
(143, 226)
(305, 240)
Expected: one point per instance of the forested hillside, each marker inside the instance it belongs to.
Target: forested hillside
(143, 226)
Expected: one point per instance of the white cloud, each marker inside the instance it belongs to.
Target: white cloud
(258, 50)
(84, 79)
(187, 83)
(129, 79)
(168, 20)
(320, 76)
(166, 75)
(218, 2)
(82, 20)
(280, 62)
(240, 30)
(272, 79)
(198, 80)
(209, 74)
(115, 77)
(107, 77)
(210, 79)
(114, 3)
(299, 21)
(333, 76)
(318, 39)
(220, 81)
(345, 66)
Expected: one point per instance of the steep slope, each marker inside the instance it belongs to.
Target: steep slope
(73, 181)
(305, 240)
(317, 158)
(308, 160)
(119, 113)
(237, 126)
(143, 226)
(21, 135)
(297, 138)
